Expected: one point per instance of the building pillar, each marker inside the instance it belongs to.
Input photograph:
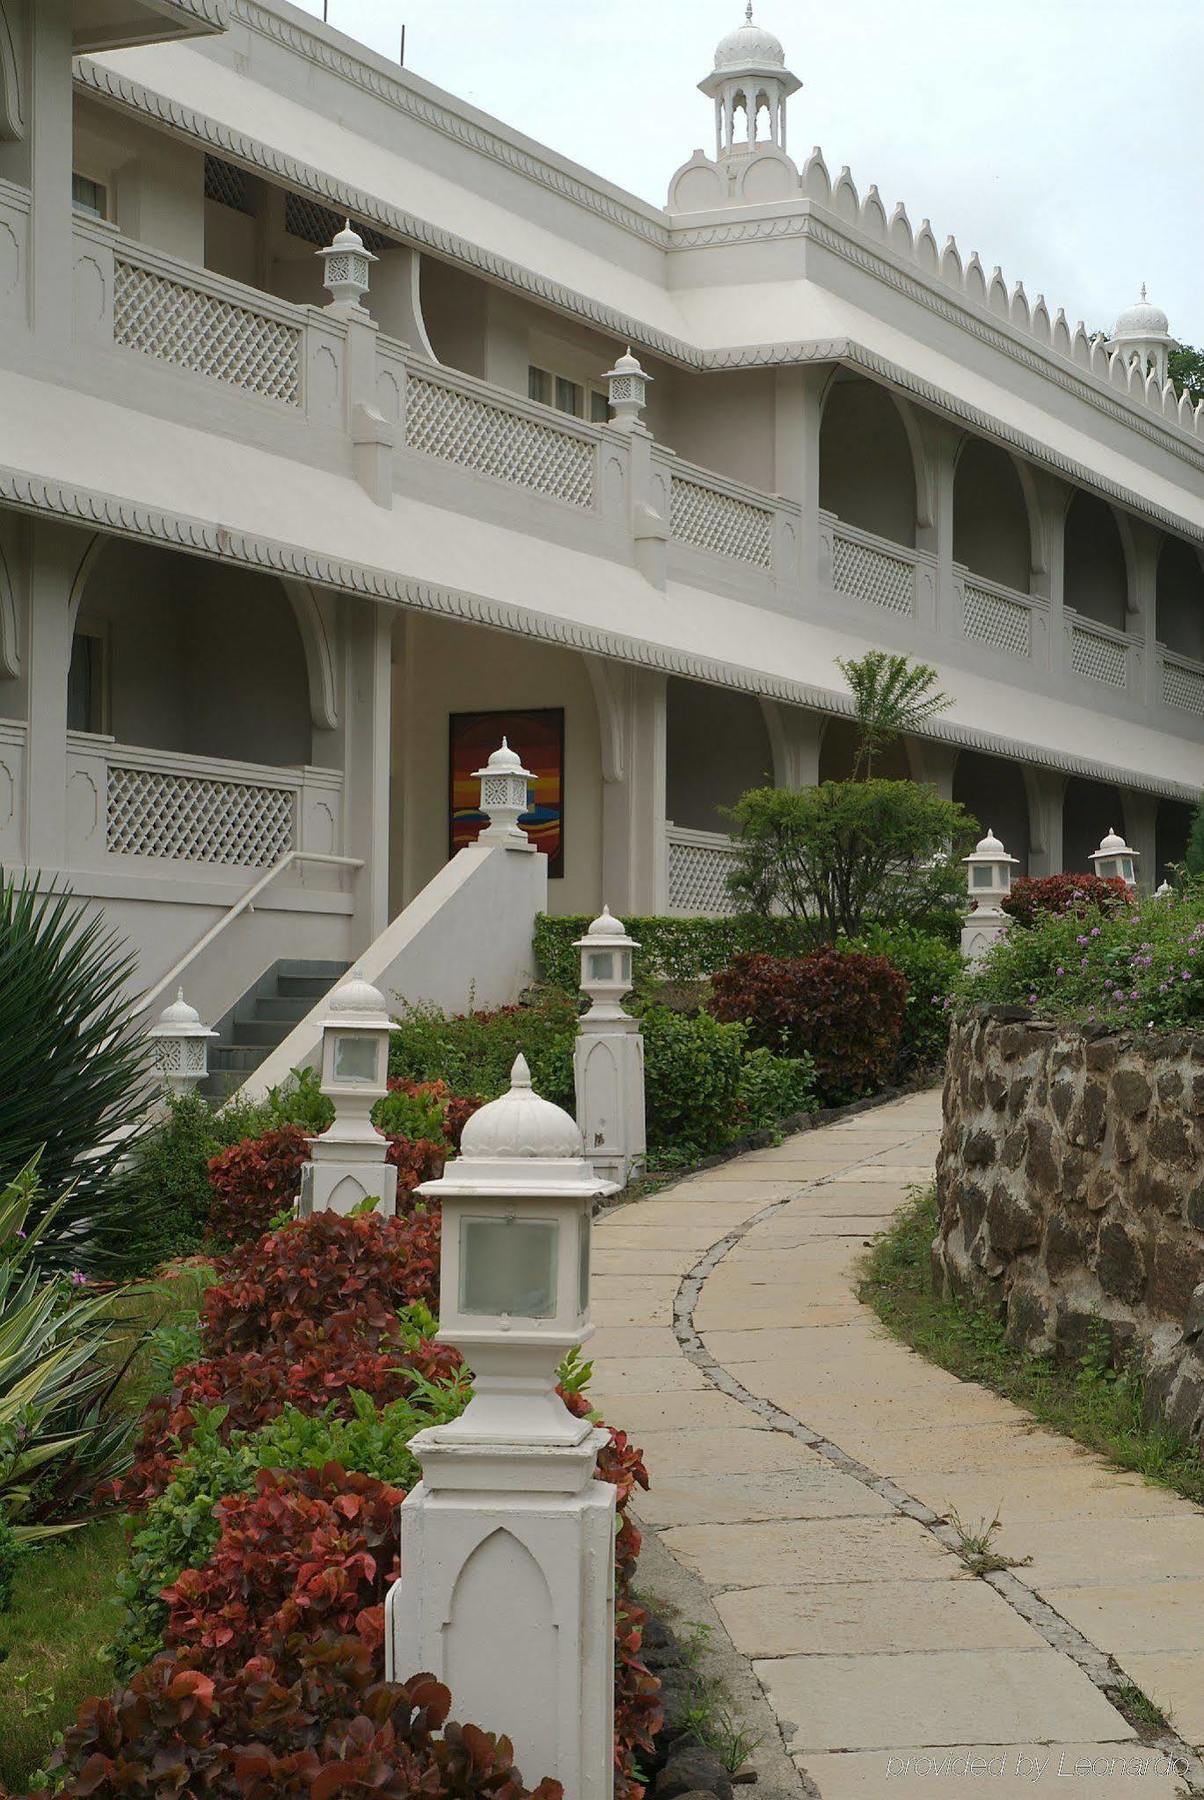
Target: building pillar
(941, 442)
(56, 553)
(367, 739)
(933, 764)
(632, 720)
(1049, 499)
(795, 736)
(1141, 832)
(798, 415)
(1141, 614)
(1046, 789)
(51, 140)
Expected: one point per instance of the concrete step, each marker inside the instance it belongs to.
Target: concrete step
(292, 1010)
(264, 1032)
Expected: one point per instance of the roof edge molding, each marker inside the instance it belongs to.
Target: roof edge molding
(1184, 437)
(126, 518)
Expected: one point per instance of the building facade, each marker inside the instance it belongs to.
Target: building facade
(262, 547)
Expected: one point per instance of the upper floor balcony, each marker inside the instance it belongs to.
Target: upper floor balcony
(1119, 626)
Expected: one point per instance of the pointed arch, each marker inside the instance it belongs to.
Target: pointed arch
(97, 545)
(610, 715)
(10, 643)
(12, 115)
(319, 653)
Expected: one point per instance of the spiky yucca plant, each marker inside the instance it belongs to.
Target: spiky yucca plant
(74, 1070)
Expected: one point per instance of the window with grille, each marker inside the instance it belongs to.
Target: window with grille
(89, 197)
(228, 185)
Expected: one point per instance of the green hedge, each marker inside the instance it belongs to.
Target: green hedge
(670, 949)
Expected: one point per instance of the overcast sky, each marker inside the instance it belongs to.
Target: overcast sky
(1063, 139)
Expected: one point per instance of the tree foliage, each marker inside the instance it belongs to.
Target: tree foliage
(891, 695)
(1185, 364)
(848, 854)
(1193, 858)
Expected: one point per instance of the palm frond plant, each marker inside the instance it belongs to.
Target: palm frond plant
(74, 1070)
(59, 1435)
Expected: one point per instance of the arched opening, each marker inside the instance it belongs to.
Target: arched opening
(866, 474)
(1096, 578)
(993, 790)
(1181, 599)
(1090, 809)
(717, 747)
(838, 747)
(173, 653)
(1172, 825)
(990, 519)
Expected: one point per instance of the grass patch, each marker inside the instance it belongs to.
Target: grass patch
(1087, 1400)
(65, 1609)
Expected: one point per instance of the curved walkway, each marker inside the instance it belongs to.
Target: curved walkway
(805, 1467)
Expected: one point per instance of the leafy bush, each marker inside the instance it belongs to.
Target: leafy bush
(11, 1547)
(1139, 967)
(676, 950)
(473, 1052)
(1034, 895)
(59, 1369)
(692, 1069)
(254, 1181)
(842, 1008)
(771, 1088)
(74, 1074)
(847, 854)
(932, 969)
(308, 1719)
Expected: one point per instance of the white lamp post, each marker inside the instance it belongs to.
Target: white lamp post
(505, 796)
(627, 392)
(181, 1045)
(989, 882)
(1114, 860)
(507, 1543)
(348, 1162)
(608, 1057)
(347, 263)
(1164, 890)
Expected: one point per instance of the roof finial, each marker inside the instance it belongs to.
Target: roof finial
(1143, 293)
(748, 13)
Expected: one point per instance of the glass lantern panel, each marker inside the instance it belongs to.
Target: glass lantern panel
(625, 964)
(981, 875)
(1109, 869)
(583, 1244)
(508, 1267)
(1126, 868)
(355, 1058)
(601, 965)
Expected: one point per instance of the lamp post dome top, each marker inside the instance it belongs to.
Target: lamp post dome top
(179, 1012)
(606, 926)
(1113, 844)
(519, 1124)
(356, 1002)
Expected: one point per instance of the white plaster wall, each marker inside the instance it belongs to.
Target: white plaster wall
(866, 474)
(201, 659)
(442, 668)
(724, 422)
(1096, 583)
(230, 242)
(156, 182)
(993, 790)
(717, 747)
(990, 521)
(1181, 599)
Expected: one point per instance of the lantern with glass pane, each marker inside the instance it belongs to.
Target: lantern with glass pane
(1115, 860)
(514, 1283)
(348, 1164)
(989, 872)
(181, 1045)
(606, 965)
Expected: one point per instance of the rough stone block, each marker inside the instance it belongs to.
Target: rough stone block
(1085, 1125)
(1030, 1323)
(1067, 1244)
(1131, 1093)
(1193, 1324)
(1012, 1222)
(1185, 1402)
(1061, 1098)
(1177, 1271)
(1039, 1163)
(1101, 1055)
(1170, 1085)
(978, 1151)
(1120, 1261)
(1170, 1139)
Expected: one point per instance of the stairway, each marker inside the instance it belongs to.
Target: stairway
(262, 1019)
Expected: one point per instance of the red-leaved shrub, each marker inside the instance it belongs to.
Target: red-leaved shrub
(416, 1160)
(1033, 895)
(309, 1550)
(253, 1181)
(841, 1007)
(308, 1720)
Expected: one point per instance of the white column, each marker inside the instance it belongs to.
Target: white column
(1141, 831)
(366, 742)
(632, 720)
(798, 410)
(1046, 789)
(933, 764)
(50, 155)
(1141, 614)
(55, 556)
(795, 736)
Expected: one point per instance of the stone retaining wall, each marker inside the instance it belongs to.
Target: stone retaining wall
(1071, 1186)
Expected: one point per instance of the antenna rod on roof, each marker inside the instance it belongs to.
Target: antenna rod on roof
(402, 58)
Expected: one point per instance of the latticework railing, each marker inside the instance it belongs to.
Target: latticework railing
(699, 865)
(193, 328)
(1098, 657)
(989, 617)
(1183, 685)
(874, 575)
(723, 523)
(463, 428)
(191, 818)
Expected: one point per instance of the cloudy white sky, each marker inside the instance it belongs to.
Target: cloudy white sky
(1063, 139)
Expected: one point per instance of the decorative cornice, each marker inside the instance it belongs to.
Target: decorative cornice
(396, 91)
(212, 15)
(126, 518)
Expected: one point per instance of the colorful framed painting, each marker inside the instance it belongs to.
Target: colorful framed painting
(538, 736)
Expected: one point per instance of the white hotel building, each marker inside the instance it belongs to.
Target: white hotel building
(257, 547)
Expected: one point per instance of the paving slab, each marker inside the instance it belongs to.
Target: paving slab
(1172, 1681)
(800, 1492)
(1102, 1771)
(700, 1450)
(868, 1616)
(1121, 1616)
(816, 1551)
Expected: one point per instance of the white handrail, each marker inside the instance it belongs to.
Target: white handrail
(172, 977)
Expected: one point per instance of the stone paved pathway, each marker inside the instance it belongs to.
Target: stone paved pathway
(804, 1466)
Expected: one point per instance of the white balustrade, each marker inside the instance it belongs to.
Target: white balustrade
(699, 865)
(719, 516)
(995, 615)
(12, 791)
(467, 422)
(1097, 652)
(1183, 682)
(128, 805)
(871, 568)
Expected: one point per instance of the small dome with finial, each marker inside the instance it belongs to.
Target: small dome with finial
(504, 760)
(749, 47)
(1142, 320)
(179, 1012)
(519, 1124)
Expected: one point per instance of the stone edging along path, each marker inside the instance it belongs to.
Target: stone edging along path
(803, 1466)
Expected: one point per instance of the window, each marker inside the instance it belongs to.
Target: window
(567, 396)
(86, 684)
(90, 197)
(539, 385)
(599, 407)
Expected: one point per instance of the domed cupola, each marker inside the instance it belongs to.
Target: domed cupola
(1142, 334)
(750, 77)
